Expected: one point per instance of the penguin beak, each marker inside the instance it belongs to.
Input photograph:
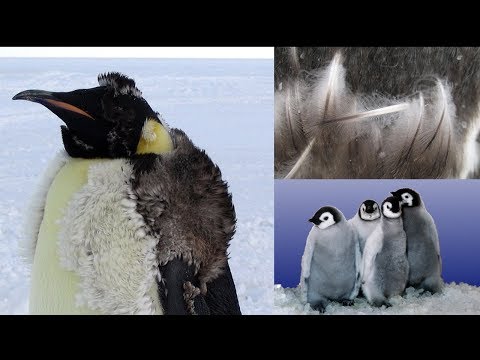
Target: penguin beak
(52, 101)
(80, 109)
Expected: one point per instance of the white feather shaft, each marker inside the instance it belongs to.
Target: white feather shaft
(371, 113)
(300, 160)
(332, 77)
(366, 114)
(294, 57)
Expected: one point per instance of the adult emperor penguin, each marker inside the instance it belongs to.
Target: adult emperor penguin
(331, 260)
(423, 247)
(365, 221)
(385, 265)
(133, 218)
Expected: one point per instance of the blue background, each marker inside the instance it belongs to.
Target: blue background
(454, 205)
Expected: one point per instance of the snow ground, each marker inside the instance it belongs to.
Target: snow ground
(225, 106)
(456, 299)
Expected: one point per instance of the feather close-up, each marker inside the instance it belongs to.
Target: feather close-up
(376, 112)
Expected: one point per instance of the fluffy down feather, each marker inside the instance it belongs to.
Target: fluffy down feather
(186, 204)
(351, 116)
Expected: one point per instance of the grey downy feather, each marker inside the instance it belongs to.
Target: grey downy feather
(336, 133)
(289, 134)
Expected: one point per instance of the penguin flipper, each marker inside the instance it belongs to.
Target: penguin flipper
(358, 271)
(179, 290)
(221, 297)
(305, 267)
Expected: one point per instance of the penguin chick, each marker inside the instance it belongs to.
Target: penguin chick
(331, 260)
(385, 265)
(365, 221)
(144, 217)
(423, 247)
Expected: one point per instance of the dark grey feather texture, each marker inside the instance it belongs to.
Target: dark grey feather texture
(376, 112)
(186, 204)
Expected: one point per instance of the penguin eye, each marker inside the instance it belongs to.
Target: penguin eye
(326, 216)
(363, 208)
(375, 206)
(388, 205)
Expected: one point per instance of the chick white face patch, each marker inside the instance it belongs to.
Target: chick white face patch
(407, 199)
(387, 211)
(327, 220)
(369, 216)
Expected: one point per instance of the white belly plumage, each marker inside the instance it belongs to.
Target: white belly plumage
(92, 254)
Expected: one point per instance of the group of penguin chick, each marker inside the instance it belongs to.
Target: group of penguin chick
(381, 251)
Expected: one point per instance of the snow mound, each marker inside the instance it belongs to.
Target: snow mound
(456, 299)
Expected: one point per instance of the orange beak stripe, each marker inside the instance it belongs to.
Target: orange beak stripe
(68, 107)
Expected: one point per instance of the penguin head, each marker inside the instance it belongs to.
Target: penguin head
(326, 217)
(369, 210)
(111, 120)
(391, 208)
(407, 197)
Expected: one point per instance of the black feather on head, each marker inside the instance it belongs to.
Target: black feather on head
(121, 84)
(408, 197)
(337, 217)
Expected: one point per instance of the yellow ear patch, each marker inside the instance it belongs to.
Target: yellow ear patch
(154, 139)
